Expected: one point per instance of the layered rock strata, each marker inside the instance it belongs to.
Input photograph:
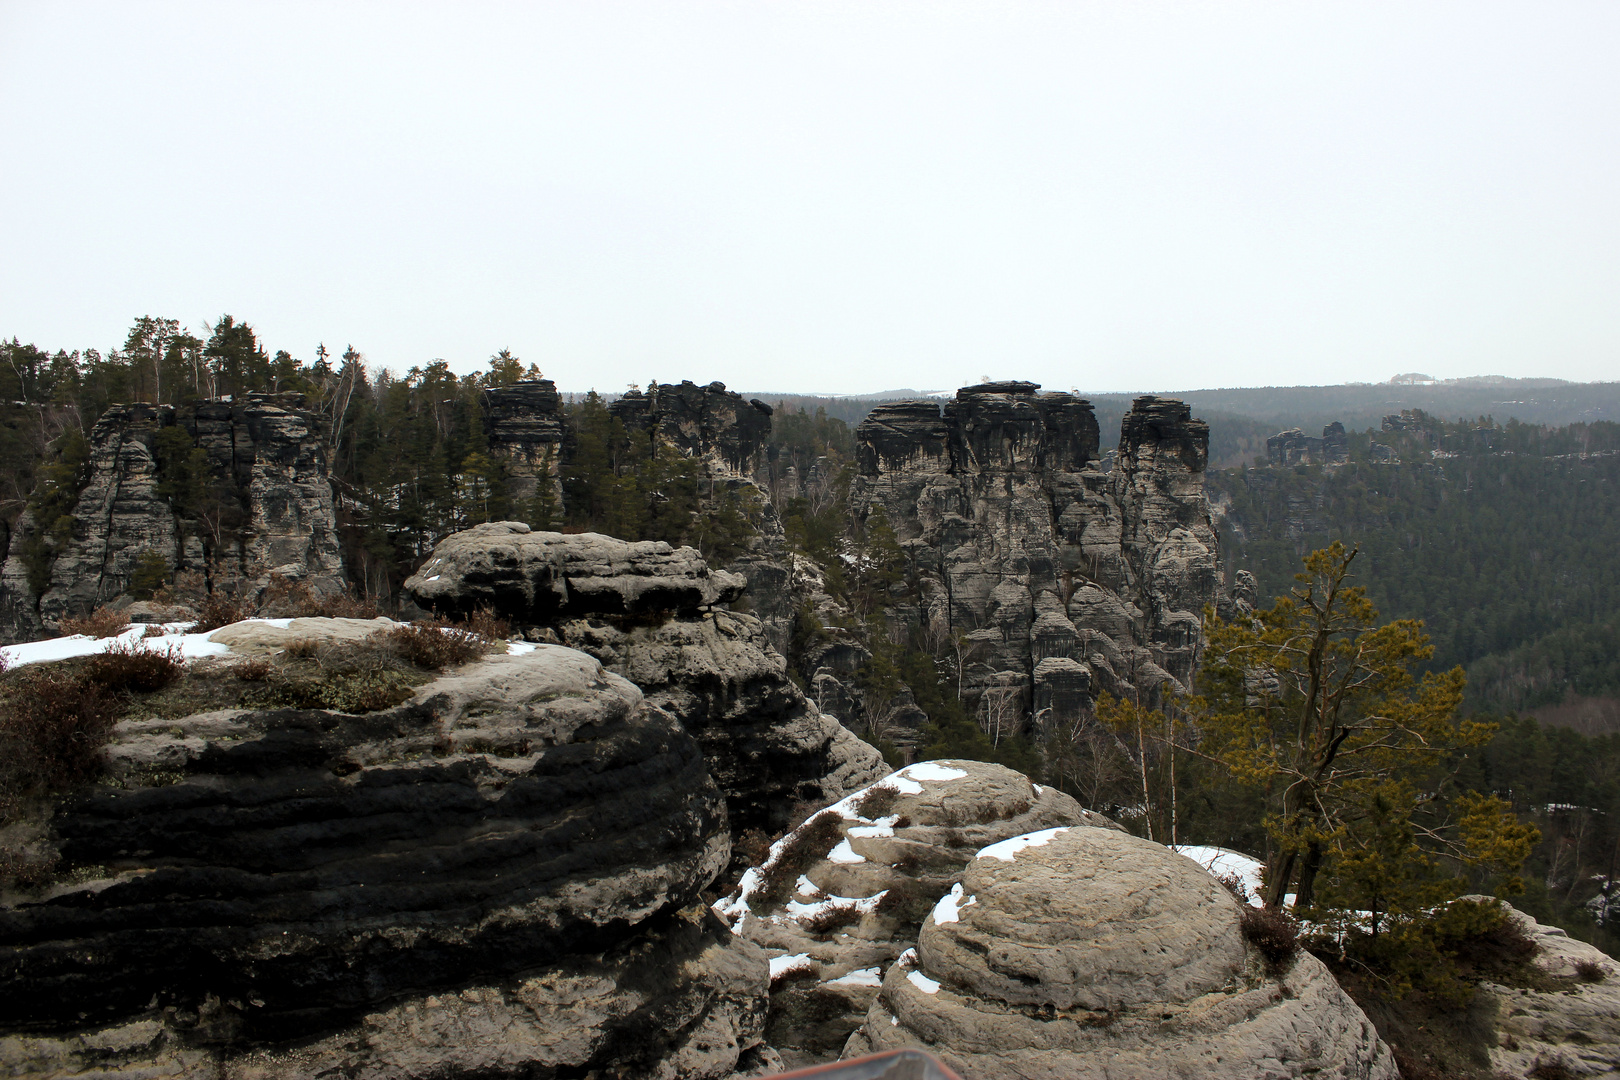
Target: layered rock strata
(1092, 953)
(864, 873)
(653, 614)
(494, 879)
(270, 507)
(524, 423)
(1058, 577)
(707, 422)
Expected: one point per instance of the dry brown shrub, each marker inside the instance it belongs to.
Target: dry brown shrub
(217, 609)
(486, 624)
(253, 670)
(302, 648)
(877, 802)
(432, 644)
(100, 623)
(833, 917)
(130, 667)
(53, 728)
(286, 598)
(1273, 932)
(1590, 971)
(812, 840)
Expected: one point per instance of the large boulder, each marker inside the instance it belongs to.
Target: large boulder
(839, 898)
(652, 614)
(495, 879)
(534, 577)
(1090, 953)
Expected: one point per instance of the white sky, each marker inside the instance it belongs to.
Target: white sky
(829, 197)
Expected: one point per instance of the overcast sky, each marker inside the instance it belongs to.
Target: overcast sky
(828, 197)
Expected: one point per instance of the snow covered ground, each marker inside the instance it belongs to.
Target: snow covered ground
(190, 646)
(1224, 863)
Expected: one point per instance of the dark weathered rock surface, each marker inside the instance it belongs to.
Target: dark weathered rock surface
(701, 421)
(524, 423)
(1063, 578)
(493, 879)
(1092, 953)
(270, 507)
(647, 611)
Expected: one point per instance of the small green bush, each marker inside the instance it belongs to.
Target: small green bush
(150, 573)
(341, 691)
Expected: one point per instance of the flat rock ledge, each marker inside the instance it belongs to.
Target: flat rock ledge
(1088, 953)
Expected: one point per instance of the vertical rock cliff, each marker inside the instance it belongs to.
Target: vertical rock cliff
(524, 423)
(1060, 577)
(243, 484)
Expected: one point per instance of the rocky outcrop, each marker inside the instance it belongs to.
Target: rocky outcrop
(862, 875)
(707, 422)
(1059, 578)
(1294, 447)
(651, 613)
(524, 423)
(252, 493)
(1576, 1026)
(1092, 953)
(495, 879)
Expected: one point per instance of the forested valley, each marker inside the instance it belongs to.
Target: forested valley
(1499, 536)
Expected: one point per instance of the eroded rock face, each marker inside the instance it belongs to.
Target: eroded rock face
(649, 612)
(701, 421)
(1092, 953)
(266, 462)
(524, 423)
(1066, 579)
(1577, 1026)
(872, 866)
(496, 878)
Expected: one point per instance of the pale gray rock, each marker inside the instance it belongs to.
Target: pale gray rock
(866, 886)
(1028, 548)
(539, 576)
(1577, 1025)
(1089, 953)
(261, 636)
(650, 613)
(266, 449)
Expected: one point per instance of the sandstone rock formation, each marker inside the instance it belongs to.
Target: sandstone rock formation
(497, 878)
(842, 896)
(524, 423)
(268, 507)
(1083, 953)
(1294, 447)
(1063, 578)
(1576, 1026)
(707, 422)
(648, 612)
